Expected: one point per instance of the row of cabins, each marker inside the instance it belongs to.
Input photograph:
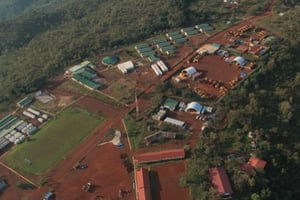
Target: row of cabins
(14, 130)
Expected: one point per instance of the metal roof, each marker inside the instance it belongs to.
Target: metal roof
(143, 184)
(190, 70)
(220, 180)
(195, 106)
(240, 60)
(160, 156)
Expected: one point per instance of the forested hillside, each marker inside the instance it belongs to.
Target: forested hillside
(41, 40)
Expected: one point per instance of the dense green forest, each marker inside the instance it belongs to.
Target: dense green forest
(38, 38)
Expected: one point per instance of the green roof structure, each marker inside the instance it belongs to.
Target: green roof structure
(144, 49)
(187, 29)
(191, 32)
(204, 27)
(110, 60)
(86, 82)
(142, 45)
(163, 44)
(171, 104)
(160, 40)
(147, 54)
(6, 119)
(172, 34)
(24, 102)
(153, 58)
(180, 40)
(171, 47)
(174, 37)
(87, 73)
(9, 123)
(78, 67)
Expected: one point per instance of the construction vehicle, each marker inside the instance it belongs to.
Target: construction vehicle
(87, 187)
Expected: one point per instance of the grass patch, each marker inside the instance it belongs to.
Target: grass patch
(72, 86)
(53, 141)
(135, 131)
(105, 98)
(123, 90)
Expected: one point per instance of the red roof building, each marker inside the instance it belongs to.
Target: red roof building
(220, 180)
(143, 184)
(253, 163)
(160, 156)
(257, 163)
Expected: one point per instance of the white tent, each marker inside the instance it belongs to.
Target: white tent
(194, 106)
(240, 60)
(190, 70)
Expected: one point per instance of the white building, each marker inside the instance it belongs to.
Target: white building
(126, 67)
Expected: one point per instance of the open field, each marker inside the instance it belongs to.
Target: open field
(164, 180)
(72, 86)
(53, 141)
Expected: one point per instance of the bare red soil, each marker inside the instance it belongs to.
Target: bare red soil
(12, 192)
(165, 181)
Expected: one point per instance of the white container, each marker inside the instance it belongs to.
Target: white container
(41, 120)
(28, 114)
(33, 111)
(45, 116)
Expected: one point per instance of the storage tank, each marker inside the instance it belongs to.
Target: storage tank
(33, 111)
(28, 114)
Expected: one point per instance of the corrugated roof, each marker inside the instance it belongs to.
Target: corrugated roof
(24, 102)
(160, 156)
(142, 45)
(187, 29)
(171, 104)
(220, 180)
(143, 184)
(190, 70)
(80, 66)
(257, 163)
(195, 106)
(89, 83)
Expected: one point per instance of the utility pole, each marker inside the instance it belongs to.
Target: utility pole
(136, 104)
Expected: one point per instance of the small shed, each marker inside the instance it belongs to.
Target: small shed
(171, 104)
(189, 71)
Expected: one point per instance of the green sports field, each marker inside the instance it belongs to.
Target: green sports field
(53, 141)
